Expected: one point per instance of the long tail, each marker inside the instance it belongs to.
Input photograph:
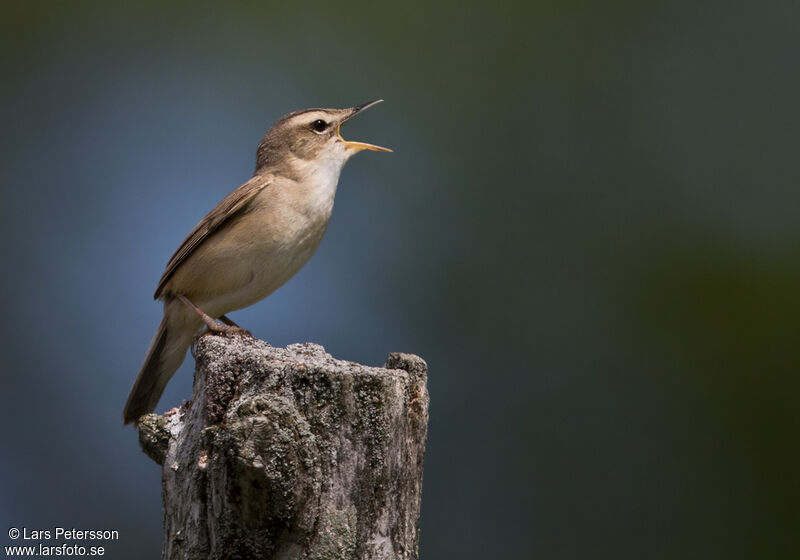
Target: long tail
(164, 357)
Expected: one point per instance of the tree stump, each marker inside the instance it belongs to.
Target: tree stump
(288, 453)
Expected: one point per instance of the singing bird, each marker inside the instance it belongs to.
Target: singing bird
(257, 238)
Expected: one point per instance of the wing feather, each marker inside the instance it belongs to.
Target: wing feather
(231, 206)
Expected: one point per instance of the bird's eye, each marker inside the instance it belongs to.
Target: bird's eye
(319, 125)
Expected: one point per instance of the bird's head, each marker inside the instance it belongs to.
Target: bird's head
(312, 136)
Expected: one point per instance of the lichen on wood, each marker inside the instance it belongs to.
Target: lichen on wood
(289, 453)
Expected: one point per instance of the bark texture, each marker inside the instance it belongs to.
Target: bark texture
(287, 453)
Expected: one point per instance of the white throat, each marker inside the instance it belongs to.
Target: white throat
(320, 179)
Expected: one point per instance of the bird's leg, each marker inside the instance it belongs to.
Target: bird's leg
(211, 324)
(227, 321)
(227, 327)
(230, 323)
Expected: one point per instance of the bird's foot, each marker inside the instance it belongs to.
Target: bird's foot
(233, 328)
(227, 328)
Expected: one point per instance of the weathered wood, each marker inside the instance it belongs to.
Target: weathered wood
(291, 454)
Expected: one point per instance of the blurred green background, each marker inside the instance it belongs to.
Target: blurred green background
(589, 228)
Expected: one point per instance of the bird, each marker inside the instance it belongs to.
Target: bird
(251, 243)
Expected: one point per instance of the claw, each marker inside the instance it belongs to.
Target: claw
(196, 338)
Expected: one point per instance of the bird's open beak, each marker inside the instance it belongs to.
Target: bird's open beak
(358, 146)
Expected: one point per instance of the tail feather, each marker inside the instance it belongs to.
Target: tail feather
(164, 357)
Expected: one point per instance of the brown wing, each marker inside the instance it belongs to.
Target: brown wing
(230, 206)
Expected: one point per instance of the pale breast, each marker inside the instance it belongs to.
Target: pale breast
(256, 254)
